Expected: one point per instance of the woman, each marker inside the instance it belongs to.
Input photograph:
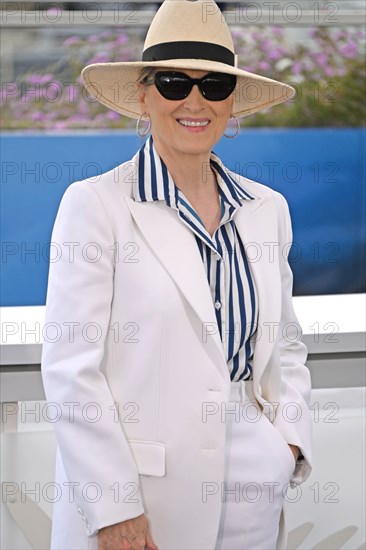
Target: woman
(178, 367)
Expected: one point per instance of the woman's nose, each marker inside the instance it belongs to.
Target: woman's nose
(195, 99)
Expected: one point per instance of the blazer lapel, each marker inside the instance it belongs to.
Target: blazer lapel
(176, 248)
(256, 222)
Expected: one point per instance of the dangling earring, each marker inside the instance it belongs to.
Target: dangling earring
(148, 127)
(237, 128)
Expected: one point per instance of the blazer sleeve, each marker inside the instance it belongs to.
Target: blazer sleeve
(94, 450)
(293, 418)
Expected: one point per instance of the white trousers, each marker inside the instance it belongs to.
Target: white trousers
(259, 464)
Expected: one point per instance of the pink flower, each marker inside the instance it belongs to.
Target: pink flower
(38, 78)
(100, 58)
(71, 41)
(53, 91)
(277, 31)
(321, 59)
(59, 125)
(341, 71)
(44, 79)
(349, 50)
(275, 54)
(76, 118)
(38, 116)
(83, 107)
(264, 66)
(266, 44)
(106, 34)
(71, 93)
(236, 33)
(297, 68)
(329, 71)
(112, 115)
(122, 39)
(339, 35)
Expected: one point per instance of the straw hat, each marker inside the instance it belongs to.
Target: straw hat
(184, 34)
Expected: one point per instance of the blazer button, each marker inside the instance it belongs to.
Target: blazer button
(217, 304)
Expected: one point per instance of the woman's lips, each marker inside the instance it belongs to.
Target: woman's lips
(194, 124)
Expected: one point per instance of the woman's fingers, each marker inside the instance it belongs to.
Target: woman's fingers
(132, 534)
(150, 544)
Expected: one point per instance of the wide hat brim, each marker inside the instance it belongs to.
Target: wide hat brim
(116, 85)
(171, 43)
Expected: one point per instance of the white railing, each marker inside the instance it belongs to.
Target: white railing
(265, 12)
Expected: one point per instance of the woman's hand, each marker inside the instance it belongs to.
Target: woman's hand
(132, 534)
(295, 451)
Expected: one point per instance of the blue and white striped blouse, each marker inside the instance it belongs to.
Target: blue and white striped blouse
(228, 273)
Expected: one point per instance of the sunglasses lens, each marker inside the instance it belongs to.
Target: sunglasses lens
(177, 86)
(173, 86)
(217, 86)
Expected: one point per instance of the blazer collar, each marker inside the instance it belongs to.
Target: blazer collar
(154, 182)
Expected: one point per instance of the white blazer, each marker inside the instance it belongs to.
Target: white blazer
(133, 358)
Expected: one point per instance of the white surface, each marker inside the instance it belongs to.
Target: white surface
(346, 312)
(332, 499)
(330, 505)
(22, 325)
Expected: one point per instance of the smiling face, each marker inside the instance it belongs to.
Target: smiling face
(191, 126)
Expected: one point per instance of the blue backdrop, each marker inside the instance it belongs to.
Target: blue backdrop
(320, 172)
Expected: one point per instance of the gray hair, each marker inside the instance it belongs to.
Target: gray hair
(146, 73)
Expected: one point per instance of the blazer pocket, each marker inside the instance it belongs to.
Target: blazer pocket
(283, 442)
(149, 457)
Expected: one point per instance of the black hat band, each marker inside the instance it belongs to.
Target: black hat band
(189, 50)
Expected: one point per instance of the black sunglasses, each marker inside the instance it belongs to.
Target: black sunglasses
(176, 86)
